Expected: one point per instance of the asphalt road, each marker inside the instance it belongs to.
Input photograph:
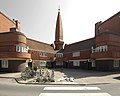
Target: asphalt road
(59, 90)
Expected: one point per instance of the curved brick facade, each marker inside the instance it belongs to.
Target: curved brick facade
(8, 51)
(8, 42)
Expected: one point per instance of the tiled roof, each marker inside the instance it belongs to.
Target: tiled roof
(36, 45)
(111, 17)
(81, 45)
(114, 33)
(7, 17)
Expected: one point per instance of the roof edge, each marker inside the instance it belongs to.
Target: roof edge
(110, 18)
(15, 32)
(80, 41)
(38, 41)
(7, 17)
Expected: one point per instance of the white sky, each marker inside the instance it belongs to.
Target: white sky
(38, 17)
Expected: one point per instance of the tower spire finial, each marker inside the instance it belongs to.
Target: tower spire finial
(59, 8)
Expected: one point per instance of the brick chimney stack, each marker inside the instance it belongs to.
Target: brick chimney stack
(17, 24)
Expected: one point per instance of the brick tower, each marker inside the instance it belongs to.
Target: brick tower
(59, 33)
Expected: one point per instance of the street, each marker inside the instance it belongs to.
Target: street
(57, 90)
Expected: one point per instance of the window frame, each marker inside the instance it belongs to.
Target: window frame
(116, 63)
(4, 63)
(76, 54)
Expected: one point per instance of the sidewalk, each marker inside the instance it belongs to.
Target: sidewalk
(80, 77)
(9, 77)
(88, 76)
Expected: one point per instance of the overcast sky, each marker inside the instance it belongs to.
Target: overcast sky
(38, 17)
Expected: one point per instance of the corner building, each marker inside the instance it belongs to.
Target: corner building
(102, 52)
(106, 52)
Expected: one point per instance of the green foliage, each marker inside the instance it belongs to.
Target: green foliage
(28, 73)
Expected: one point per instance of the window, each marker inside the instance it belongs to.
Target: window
(76, 63)
(4, 64)
(75, 54)
(93, 63)
(101, 48)
(93, 50)
(43, 54)
(42, 63)
(17, 48)
(59, 55)
(116, 63)
(22, 48)
(106, 48)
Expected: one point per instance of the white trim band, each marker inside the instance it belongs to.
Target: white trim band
(71, 88)
(74, 94)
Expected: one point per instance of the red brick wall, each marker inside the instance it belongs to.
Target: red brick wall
(6, 23)
(8, 42)
(15, 55)
(112, 24)
(83, 55)
(108, 39)
(35, 55)
(16, 65)
(12, 37)
(102, 40)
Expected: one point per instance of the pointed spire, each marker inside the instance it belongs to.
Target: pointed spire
(59, 33)
(59, 9)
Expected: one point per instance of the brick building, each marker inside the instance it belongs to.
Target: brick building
(17, 51)
(102, 52)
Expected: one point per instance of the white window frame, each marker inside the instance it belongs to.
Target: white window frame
(4, 63)
(76, 54)
(42, 63)
(106, 48)
(93, 50)
(43, 54)
(22, 48)
(93, 64)
(76, 63)
(116, 63)
(101, 48)
(17, 48)
(59, 55)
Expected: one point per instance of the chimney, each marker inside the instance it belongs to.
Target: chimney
(52, 45)
(97, 26)
(65, 46)
(17, 24)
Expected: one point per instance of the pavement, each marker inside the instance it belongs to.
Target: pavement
(84, 77)
(89, 76)
(8, 77)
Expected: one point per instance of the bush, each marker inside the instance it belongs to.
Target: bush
(38, 80)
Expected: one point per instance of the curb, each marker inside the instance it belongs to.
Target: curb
(59, 84)
(81, 84)
(8, 77)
